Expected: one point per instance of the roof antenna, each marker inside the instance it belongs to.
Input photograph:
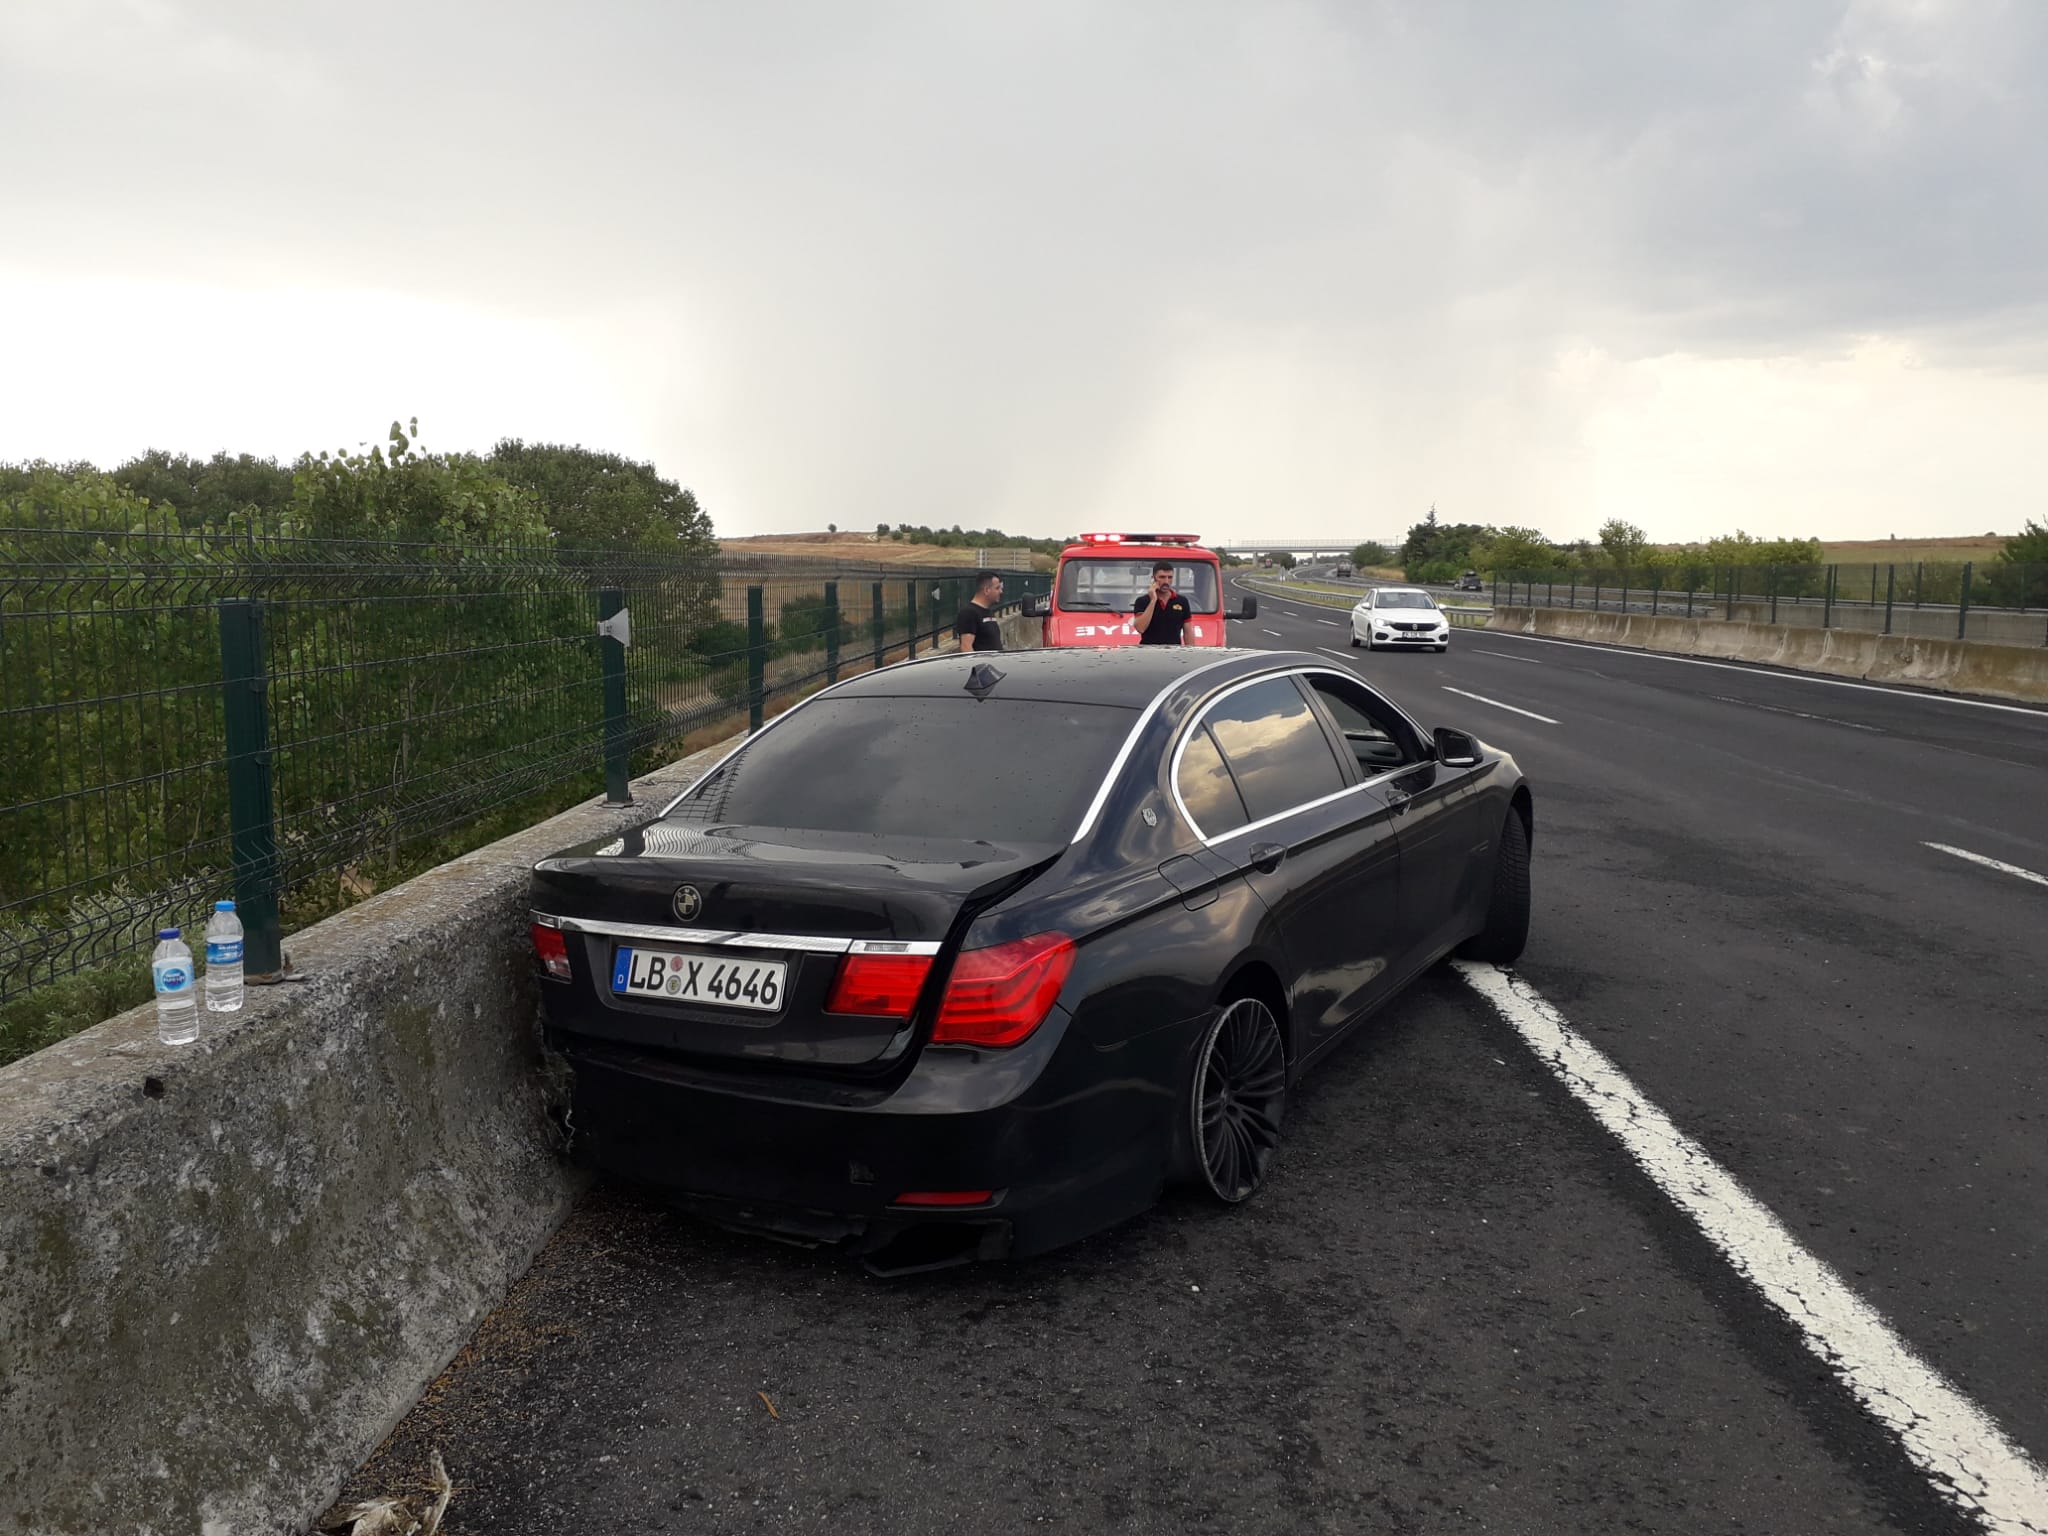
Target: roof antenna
(981, 682)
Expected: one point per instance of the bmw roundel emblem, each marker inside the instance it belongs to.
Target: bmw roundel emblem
(688, 902)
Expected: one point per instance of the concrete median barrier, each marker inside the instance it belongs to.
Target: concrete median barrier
(2019, 673)
(228, 1268)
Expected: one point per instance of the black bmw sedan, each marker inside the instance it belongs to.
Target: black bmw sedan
(969, 957)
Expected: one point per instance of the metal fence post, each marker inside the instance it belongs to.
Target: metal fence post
(757, 659)
(881, 624)
(1774, 594)
(1596, 594)
(1691, 580)
(910, 618)
(1656, 590)
(618, 750)
(1919, 567)
(1575, 589)
(1827, 606)
(1963, 609)
(1891, 575)
(252, 824)
(831, 632)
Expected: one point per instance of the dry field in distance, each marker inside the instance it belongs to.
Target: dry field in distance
(1907, 551)
(855, 548)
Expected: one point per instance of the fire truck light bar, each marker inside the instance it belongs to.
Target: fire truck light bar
(1140, 538)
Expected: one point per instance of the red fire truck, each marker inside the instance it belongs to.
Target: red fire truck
(1102, 574)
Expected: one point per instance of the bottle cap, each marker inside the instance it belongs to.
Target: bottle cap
(223, 906)
(167, 933)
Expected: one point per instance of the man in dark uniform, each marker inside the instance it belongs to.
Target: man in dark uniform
(1160, 612)
(975, 628)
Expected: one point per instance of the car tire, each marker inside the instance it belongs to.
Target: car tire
(1235, 1102)
(1355, 642)
(1507, 909)
(1443, 648)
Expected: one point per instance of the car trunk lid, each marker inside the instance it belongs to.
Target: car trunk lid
(765, 919)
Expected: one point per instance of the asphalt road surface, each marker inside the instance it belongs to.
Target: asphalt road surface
(1465, 1302)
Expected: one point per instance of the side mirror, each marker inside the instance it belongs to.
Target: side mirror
(1455, 749)
(1036, 607)
(1247, 608)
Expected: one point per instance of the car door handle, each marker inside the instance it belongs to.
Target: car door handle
(1266, 857)
(1397, 800)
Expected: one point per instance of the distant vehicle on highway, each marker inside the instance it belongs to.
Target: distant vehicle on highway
(1344, 570)
(1405, 618)
(1469, 582)
(854, 988)
(1101, 574)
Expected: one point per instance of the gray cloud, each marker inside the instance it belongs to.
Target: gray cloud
(939, 261)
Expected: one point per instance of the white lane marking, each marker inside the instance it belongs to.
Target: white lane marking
(1290, 613)
(1797, 714)
(1274, 633)
(1496, 703)
(1347, 655)
(1960, 1447)
(1504, 656)
(1331, 622)
(1765, 671)
(1989, 863)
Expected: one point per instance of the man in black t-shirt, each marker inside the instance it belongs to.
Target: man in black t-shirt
(975, 627)
(1160, 612)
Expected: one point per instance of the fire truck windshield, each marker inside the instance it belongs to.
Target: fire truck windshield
(1092, 585)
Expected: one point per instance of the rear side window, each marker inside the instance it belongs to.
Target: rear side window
(1206, 788)
(1002, 770)
(1276, 747)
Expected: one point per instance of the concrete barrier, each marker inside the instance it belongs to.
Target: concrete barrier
(2012, 672)
(228, 1268)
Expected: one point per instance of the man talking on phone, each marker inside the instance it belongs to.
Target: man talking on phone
(1160, 613)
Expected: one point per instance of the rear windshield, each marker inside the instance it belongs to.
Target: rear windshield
(1002, 770)
(1090, 585)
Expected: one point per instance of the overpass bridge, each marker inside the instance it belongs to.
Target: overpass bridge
(1301, 549)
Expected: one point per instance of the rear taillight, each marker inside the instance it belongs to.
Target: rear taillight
(552, 950)
(999, 995)
(946, 1197)
(879, 986)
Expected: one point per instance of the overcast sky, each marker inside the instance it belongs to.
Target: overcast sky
(1254, 269)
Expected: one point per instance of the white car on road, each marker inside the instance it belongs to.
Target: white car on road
(1400, 617)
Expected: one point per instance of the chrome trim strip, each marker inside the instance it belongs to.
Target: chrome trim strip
(1173, 768)
(800, 943)
(1116, 768)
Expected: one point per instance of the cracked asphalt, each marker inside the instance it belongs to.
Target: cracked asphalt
(1458, 1305)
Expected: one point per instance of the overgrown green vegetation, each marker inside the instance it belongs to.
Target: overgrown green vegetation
(431, 662)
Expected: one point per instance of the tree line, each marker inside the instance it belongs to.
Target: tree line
(1439, 551)
(551, 493)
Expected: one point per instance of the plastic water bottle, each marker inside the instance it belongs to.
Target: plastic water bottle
(223, 959)
(177, 1003)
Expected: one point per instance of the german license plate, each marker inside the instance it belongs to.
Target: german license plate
(678, 976)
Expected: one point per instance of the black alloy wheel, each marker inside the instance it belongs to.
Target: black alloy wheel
(1240, 1095)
